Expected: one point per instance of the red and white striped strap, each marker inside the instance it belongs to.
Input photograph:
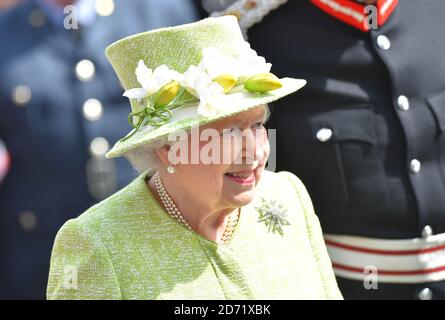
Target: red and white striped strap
(353, 13)
(415, 260)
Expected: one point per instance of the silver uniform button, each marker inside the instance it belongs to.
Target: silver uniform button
(383, 42)
(403, 103)
(425, 294)
(415, 166)
(28, 220)
(324, 134)
(99, 146)
(92, 109)
(85, 70)
(21, 95)
(104, 8)
(427, 231)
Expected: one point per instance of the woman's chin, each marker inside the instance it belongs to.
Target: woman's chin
(239, 199)
(239, 192)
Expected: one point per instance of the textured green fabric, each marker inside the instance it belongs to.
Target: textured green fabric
(178, 48)
(128, 247)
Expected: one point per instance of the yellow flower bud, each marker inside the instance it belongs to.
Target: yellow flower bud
(226, 81)
(166, 94)
(262, 83)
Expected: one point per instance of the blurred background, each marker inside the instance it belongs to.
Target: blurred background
(61, 107)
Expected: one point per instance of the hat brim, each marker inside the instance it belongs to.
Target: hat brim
(187, 116)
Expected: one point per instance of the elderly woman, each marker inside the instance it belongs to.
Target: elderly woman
(203, 220)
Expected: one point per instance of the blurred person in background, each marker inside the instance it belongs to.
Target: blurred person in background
(60, 105)
(366, 135)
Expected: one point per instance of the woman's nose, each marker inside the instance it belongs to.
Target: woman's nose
(254, 144)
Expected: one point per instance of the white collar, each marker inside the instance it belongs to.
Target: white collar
(249, 14)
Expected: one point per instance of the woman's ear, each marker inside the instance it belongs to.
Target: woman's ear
(162, 153)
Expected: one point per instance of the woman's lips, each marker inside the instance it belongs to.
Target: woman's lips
(243, 177)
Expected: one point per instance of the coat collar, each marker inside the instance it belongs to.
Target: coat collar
(352, 12)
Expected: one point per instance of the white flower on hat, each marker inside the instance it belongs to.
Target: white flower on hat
(206, 81)
(215, 63)
(189, 79)
(151, 81)
(243, 65)
(249, 63)
(210, 94)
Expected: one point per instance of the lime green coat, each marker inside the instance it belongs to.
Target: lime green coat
(128, 247)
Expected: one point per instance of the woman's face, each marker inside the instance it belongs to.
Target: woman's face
(232, 158)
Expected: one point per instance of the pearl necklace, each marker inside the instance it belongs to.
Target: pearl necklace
(174, 212)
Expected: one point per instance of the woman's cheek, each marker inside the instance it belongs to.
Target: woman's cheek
(262, 163)
(264, 153)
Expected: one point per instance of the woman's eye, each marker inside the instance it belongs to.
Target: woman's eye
(258, 125)
(230, 130)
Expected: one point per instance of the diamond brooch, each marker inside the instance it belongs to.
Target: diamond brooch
(273, 214)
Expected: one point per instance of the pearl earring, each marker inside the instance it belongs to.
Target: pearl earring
(171, 169)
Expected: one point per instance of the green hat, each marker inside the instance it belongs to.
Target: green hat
(189, 75)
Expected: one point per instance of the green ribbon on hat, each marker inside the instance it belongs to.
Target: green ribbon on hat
(154, 115)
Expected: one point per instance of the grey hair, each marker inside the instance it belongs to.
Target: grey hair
(144, 157)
